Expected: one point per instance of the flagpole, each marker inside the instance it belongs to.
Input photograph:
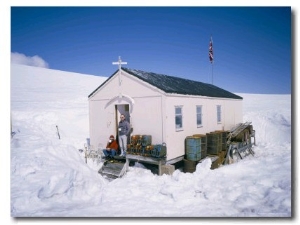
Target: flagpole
(211, 58)
(212, 73)
(209, 72)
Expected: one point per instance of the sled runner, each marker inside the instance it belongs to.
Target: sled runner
(239, 142)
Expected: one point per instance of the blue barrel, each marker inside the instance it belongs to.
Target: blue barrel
(203, 144)
(193, 148)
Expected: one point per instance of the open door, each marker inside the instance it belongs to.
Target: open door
(122, 109)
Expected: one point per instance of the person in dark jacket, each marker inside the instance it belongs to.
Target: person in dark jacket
(124, 131)
(111, 147)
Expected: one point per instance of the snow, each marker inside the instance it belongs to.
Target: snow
(50, 178)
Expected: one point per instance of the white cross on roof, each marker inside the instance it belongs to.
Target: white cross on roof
(119, 63)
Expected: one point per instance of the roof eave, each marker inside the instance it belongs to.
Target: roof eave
(101, 85)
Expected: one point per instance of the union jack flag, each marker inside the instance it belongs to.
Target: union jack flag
(210, 51)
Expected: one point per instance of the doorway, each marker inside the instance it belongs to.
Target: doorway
(122, 109)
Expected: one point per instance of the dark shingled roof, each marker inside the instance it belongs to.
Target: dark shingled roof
(170, 84)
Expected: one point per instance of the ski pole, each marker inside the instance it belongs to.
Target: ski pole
(57, 132)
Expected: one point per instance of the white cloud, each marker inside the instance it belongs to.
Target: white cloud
(18, 58)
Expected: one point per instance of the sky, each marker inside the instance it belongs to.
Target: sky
(251, 45)
(101, 65)
(50, 178)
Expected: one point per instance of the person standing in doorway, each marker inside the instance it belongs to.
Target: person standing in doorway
(124, 131)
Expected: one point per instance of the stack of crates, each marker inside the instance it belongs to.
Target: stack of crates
(224, 135)
(148, 150)
(217, 144)
(222, 154)
(140, 145)
(134, 146)
(214, 147)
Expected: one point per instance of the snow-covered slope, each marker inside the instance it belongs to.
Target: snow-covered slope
(43, 98)
(49, 176)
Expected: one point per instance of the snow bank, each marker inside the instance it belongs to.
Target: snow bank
(49, 176)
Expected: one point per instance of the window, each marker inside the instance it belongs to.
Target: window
(178, 117)
(199, 115)
(219, 119)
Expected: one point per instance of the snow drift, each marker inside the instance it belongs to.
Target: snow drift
(49, 176)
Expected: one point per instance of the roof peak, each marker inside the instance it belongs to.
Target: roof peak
(178, 85)
(175, 85)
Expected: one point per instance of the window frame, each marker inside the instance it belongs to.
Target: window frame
(201, 116)
(219, 114)
(180, 115)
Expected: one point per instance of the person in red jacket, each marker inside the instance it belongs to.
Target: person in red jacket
(111, 147)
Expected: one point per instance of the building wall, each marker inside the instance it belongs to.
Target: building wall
(152, 112)
(101, 122)
(145, 111)
(231, 114)
(147, 118)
